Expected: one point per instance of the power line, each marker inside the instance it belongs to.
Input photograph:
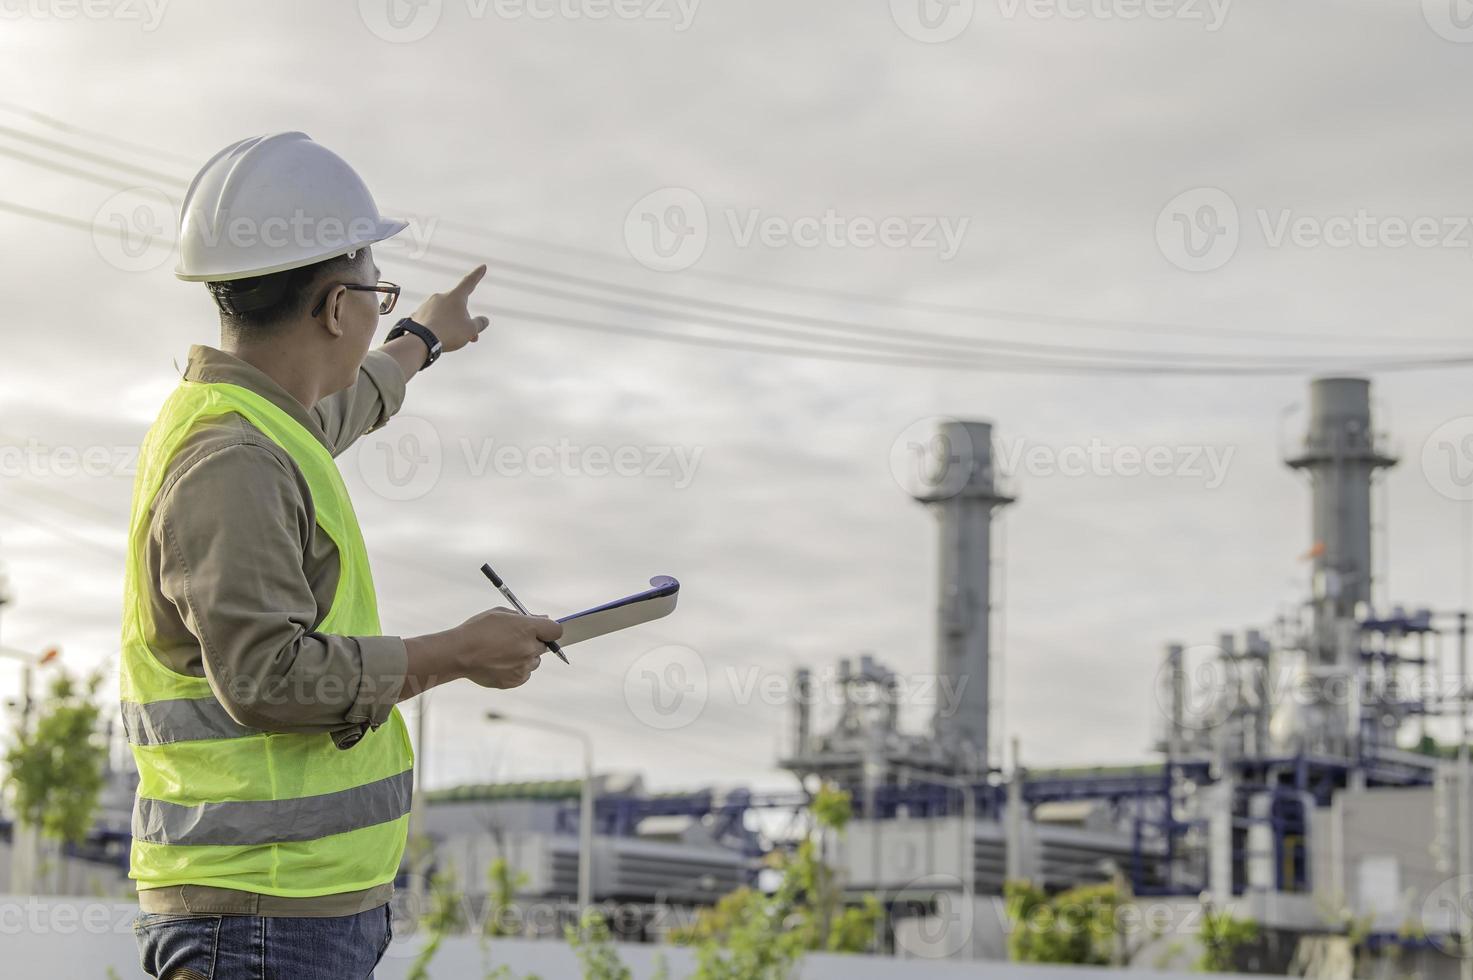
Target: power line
(945, 309)
(975, 343)
(53, 145)
(967, 345)
(837, 352)
(71, 130)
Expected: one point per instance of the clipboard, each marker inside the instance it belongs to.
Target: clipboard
(656, 602)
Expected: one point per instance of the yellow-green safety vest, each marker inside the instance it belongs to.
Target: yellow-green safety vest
(227, 806)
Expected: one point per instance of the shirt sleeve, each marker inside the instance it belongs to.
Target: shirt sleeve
(232, 530)
(365, 405)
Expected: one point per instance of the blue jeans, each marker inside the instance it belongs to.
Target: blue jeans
(256, 947)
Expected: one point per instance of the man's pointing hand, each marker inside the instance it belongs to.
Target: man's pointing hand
(447, 315)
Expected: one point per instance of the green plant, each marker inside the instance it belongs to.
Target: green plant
(505, 882)
(595, 949)
(1076, 926)
(443, 917)
(1222, 936)
(55, 768)
(749, 935)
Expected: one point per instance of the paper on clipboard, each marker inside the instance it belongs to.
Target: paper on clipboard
(643, 607)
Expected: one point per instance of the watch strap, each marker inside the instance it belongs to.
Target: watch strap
(431, 342)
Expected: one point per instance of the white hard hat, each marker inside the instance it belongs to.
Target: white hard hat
(273, 203)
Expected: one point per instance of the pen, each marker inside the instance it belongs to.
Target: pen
(501, 587)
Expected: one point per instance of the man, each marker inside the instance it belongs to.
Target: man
(257, 690)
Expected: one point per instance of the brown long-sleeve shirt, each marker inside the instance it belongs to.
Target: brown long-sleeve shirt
(239, 575)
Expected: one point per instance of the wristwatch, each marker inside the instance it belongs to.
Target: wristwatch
(432, 343)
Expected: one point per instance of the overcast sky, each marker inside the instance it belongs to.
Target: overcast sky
(1067, 147)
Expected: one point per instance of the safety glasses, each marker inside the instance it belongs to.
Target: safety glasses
(389, 291)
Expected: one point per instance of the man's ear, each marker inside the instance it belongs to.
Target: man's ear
(330, 320)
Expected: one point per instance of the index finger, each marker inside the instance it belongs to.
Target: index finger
(471, 280)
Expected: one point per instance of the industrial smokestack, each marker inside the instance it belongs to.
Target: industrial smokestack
(966, 494)
(1341, 455)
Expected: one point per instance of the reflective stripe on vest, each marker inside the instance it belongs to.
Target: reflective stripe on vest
(180, 720)
(253, 821)
(225, 805)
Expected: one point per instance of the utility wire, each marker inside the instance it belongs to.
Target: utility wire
(1014, 365)
(62, 126)
(53, 145)
(959, 342)
(947, 309)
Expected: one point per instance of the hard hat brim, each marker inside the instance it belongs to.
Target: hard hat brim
(387, 228)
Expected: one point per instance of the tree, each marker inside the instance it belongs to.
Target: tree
(1222, 936)
(752, 936)
(444, 917)
(505, 881)
(1076, 926)
(595, 949)
(55, 770)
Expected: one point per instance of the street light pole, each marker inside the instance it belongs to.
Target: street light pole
(585, 803)
(968, 842)
(1465, 818)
